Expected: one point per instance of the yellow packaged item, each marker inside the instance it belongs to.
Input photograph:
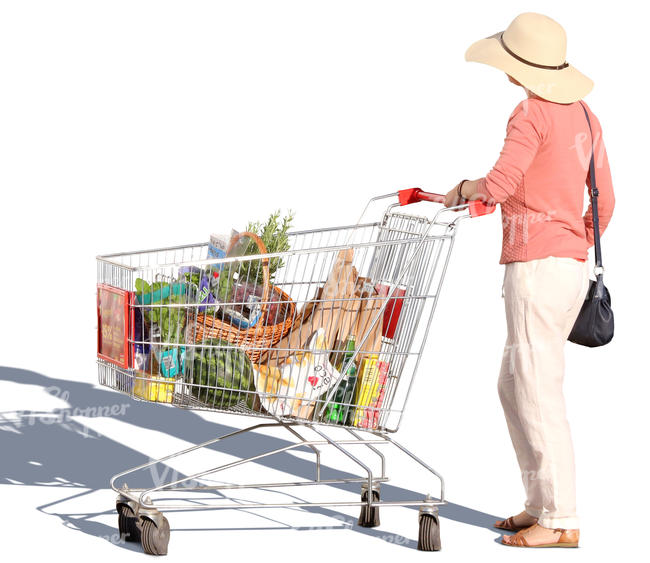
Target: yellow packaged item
(153, 388)
(367, 387)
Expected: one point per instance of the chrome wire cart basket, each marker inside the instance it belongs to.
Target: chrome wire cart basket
(324, 338)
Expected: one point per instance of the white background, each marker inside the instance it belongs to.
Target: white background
(134, 124)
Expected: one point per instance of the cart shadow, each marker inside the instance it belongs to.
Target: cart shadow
(51, 449)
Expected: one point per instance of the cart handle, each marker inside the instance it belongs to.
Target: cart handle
(414, 195)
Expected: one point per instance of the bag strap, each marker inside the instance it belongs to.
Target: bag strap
(594, 198)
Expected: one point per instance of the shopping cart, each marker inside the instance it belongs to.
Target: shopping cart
(325, 337)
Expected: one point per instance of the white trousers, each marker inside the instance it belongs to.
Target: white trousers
(542, 300)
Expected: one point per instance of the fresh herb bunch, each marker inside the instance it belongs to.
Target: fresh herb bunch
(274, 234)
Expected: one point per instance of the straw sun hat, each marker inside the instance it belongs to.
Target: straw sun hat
(533, 51)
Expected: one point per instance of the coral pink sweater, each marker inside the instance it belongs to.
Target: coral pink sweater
(539, 181)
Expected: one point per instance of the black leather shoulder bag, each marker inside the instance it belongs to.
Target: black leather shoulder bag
(595, 323)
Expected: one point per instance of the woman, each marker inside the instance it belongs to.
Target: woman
(539, 181)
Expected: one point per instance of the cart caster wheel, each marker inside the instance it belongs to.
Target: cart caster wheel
(429, 535)
(127, 523)
(155, 538)
(369, 516)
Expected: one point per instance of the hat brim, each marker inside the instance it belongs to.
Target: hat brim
(562, 86)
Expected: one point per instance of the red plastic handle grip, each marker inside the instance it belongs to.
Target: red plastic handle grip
(478, 208)
(414, 195)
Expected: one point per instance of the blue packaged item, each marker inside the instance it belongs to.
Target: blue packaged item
(218, 247)
(172, 362)
(245, 307)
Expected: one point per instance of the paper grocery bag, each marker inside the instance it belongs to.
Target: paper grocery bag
(347, 326)
(338, 287)
(300, 330)
(323, 312)
(371, 303)
(350, 319)
(351, 312)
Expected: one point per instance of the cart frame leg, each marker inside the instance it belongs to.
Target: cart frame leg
(140, 499)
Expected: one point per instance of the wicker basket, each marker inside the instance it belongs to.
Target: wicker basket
(255, 339)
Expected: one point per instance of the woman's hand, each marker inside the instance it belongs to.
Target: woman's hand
(452, 199)
(469, 191)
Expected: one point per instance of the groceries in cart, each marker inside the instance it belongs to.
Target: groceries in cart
(341, 406)
(218, 245)
(223, 375)
(393, 308)
(294, 387)
(153, 388)
(370, 392)
(112, 316)
(250, 323)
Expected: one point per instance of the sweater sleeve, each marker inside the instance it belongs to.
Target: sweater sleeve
(524, 135)
(606, 199)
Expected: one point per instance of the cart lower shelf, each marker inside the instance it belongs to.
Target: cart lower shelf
(141, 519)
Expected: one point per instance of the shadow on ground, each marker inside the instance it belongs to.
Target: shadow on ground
(51, 449)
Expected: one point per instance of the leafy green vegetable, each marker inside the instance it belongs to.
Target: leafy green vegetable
(171, 320)
(142, 286)
(193, 277)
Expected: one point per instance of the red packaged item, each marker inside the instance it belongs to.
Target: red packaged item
(393, 307)
(113, 325)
